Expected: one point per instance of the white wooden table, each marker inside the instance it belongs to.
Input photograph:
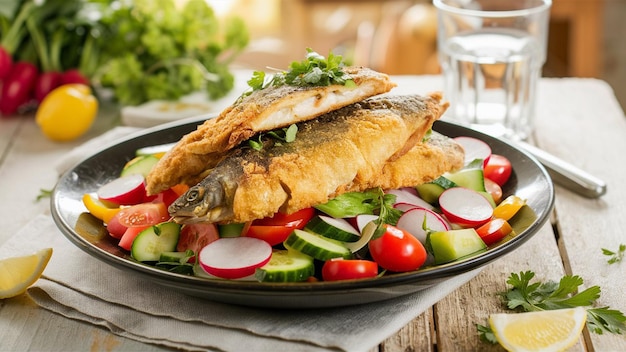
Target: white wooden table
(578, 120)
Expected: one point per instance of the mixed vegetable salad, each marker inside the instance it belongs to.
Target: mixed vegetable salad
(356, 235)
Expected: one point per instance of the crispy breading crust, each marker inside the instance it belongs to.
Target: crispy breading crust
(267, 109)
(344, 150)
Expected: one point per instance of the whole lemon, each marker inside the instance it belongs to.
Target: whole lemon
(67, 112)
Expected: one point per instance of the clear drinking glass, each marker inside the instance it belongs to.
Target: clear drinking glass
(491, 53)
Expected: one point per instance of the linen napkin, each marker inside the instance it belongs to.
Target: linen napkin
(80, 287)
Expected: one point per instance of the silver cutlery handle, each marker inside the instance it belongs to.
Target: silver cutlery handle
(566, 174)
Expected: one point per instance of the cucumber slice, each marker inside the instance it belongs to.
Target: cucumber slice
(286, 266)
(317, 246)
(175, 257)
(151, 242)
(430, 192)
(337, 229)
(140, 165)
(448, 246)
(472, 178)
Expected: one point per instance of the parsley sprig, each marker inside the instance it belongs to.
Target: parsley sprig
(314, 71)
(615, 256)
(537, 296)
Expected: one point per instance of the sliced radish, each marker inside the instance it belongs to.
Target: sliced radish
(234, 257)
(413, 220)
(406, 206)
(474, 149)
(465, 207)
(405, 196)
(364, 219)
(126, 190)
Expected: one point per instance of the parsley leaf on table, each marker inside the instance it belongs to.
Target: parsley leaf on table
(550, 295)
(615, 257)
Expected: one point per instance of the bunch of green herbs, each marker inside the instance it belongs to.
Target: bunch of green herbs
(152, 49)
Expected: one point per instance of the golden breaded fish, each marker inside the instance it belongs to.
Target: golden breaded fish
(263, 110)
(343, 150)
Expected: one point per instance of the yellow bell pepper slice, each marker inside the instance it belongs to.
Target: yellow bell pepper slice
(508, 207)
(99, 209)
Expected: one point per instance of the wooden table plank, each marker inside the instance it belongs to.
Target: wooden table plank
(586, 226)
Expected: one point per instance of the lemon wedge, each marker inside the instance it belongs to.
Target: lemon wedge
(549, 330)
(18, 273)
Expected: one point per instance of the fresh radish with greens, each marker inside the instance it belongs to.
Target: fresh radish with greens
(46, 83)
(234, 257)
(74, 76)
(6, 62)
(474, 149)
(12, 39)
(465, 207)
(419, 221)
(126, 190)
(17, 87)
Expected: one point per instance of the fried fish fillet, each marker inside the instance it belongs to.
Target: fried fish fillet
(346, 149)
(263, 110)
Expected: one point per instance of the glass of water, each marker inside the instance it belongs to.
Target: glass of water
(491, 53)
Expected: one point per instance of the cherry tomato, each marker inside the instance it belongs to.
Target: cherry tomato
(126, 241)
(272, 234)
(196, 236)
(498, 169)
(347, 269)
(494, 230)
(295, 220)
(144, 214)
(494, 189)
(397, 250)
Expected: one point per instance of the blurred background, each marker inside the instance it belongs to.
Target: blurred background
(135, 52)
(399, 36)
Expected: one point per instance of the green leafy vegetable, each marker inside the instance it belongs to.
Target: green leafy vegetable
(373, 201)
(550, 295)
(617, 256)
(315, 70)
(486, 334)
(156, 50)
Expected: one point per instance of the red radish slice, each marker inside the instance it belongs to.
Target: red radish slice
(412, 221)
(474, 149)
(404, 196)
(406, 206)
(465, 207)
(364, 219)
(127, 190)
(234, 257)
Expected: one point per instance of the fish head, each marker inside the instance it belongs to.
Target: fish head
(194, 205)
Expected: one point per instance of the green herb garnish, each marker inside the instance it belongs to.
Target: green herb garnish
(373, 201)
(615, 257)
(287, 135)
(314, 71)
(537, 296)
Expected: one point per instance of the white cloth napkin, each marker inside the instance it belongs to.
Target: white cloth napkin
(80, 287)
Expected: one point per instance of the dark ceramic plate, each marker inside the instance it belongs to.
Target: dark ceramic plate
(529, 180)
